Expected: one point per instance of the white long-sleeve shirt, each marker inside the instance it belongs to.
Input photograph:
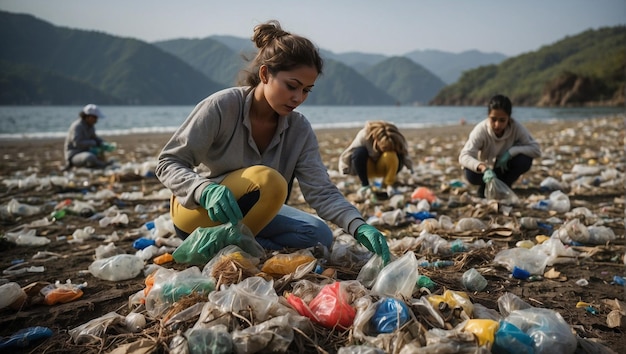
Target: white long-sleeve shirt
(483, 146)
(216, 139)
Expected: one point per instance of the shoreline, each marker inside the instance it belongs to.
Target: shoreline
(408, 127)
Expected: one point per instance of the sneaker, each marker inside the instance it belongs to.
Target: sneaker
(380, 194)
(364, 192)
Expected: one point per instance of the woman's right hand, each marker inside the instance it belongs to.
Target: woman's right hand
(220, 203)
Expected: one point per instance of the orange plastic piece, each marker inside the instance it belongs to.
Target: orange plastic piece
(282, 264)
(62, 295)
(164, 258)
(423, 193)
(149, 284)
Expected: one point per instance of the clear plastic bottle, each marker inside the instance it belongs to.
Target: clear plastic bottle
(473, 281)
(11, 294)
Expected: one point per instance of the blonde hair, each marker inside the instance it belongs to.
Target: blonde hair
(385, 136)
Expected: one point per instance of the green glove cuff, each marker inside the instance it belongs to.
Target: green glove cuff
(488, 175)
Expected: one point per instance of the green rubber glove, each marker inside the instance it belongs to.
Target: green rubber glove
(108, 147)
(96, 150)
(488, 175)
(373, 240)
(503, 161)
(220, 203)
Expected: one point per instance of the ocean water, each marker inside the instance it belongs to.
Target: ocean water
(53, 121)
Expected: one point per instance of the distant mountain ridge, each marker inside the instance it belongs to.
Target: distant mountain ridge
(447, 66)
(109, 69)
(582, 70)
(44, 64)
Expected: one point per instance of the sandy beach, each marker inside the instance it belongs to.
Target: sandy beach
(595, 147)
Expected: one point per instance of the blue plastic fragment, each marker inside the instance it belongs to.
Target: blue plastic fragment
(25, 337)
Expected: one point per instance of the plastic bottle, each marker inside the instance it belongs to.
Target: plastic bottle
(529, 223)
(142, 243)
(520, 273)
(425, 282)
(559, 202)
(472, 280)
(390, 314)
(59, 214)
(164, 258)
(21, 209)
(422, 215)
(11, 294)
(82, 208)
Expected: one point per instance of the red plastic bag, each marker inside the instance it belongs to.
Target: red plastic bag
(329, 308)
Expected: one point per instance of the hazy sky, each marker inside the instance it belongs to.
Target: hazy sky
(391, 27)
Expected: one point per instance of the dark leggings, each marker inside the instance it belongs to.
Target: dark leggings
(359, 160)
(517, 165)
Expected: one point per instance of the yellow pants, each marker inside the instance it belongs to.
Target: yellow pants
(273, 192)
(386, 167)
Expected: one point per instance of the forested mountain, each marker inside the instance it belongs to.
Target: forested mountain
(448, 66)
(586, 69)
(342, 85)
(45, 64)
(406, 81)
(214, 59)
(338, 85)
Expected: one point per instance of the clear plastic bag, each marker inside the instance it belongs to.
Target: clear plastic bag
(92, 331)
(369, 272)
(498, 190)
(116, 268)
(251, 294)
(548, 329)
(398, 278)
(216, 339)
(283, 264)
(531, 260)
(272, 336)
(510, 302)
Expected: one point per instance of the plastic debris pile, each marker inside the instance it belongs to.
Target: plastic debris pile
(445, 290)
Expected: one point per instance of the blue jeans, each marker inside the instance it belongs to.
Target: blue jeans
(290, 228)
(294, 228)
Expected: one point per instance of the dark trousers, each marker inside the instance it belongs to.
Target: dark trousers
(517, 166)
(359, 160)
